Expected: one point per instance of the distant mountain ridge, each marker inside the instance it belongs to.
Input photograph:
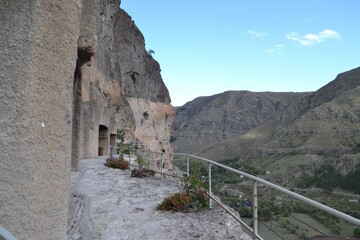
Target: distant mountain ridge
(322, 127)
(209, 120)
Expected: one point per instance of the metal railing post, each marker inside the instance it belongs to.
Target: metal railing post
(162, 166)
(210, 200)
(255, 209)
(130, 154)
(187, 166)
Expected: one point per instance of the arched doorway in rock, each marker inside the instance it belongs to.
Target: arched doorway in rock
(103, 140)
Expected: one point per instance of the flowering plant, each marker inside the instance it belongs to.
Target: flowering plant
(123, 164)
(117, 163)
(180, 202)
(193, 198)
(142, 172)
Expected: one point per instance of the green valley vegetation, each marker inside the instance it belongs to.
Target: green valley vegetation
(236, 192)
(327, 177)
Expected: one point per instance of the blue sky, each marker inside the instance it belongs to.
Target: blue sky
(206, 47)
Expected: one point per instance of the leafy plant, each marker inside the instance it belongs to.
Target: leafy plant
(128, 147)
(357, 232)
(200, 199)
(140, 161)
(192, 183)
(120, 136)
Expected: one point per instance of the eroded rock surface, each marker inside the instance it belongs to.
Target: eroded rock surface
(121, 84)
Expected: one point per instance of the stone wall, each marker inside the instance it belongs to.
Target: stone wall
(38, 45)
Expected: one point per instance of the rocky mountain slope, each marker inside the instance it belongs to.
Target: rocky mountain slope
(323, 127)
(209, 120)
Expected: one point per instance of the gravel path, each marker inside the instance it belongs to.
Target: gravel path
(110, 204)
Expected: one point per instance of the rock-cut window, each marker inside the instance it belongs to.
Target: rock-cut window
(146, 115)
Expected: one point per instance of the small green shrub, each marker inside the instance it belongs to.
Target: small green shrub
(200, 200)
(192, 183)
(140, 161)
(357, 232)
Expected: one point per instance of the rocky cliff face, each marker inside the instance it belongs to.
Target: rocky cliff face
(209, 120)
(121, 84)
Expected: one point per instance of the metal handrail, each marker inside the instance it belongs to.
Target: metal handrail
(5, 234)
(257, 180)
(309, 201)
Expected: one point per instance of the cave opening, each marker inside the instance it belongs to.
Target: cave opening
(103, 140)
(113, 140)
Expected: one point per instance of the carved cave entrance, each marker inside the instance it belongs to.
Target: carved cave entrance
(112, 144)
(113, 140)
(103, 140)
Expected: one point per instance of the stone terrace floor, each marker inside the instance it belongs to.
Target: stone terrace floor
(110, 204)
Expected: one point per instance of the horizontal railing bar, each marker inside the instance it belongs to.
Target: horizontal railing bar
(5, 234)
(309, 201)
(166, 174)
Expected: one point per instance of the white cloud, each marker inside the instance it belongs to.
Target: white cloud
(274, 49)
(255, 33)
(311, 39)
(329, 34)
(305, 20)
